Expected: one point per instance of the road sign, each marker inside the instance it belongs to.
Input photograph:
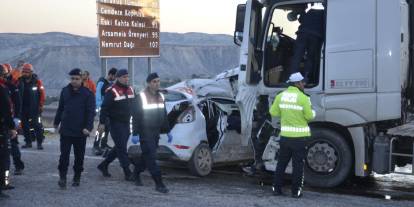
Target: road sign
(128, 28)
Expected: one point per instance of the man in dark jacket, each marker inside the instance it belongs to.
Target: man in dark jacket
(33, 97)
(310, 37)
(118, 105)
(7, 129)
(75, 114)
(151, 121)
(101, 139)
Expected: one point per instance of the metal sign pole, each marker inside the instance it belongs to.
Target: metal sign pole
(131, 71)
(149, 66)
(103, 67)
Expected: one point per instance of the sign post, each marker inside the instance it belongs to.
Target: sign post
(128, 29)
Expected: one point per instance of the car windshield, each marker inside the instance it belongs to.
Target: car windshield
(173, 96)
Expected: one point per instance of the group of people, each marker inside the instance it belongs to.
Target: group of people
(22, 98)
(119, 107)
(22, 101)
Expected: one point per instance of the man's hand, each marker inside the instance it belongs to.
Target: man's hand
(13, 133)
(101, 128)
(86, 132)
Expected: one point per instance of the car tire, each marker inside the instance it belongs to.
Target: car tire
(328, 160)
(201, 162)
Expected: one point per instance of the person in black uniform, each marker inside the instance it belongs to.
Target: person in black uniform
(310, 37)
(151, 121)
(118, 105)
(7, 129)
(101, 139)
(75, 114)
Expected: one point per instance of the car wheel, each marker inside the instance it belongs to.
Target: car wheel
(201, 162)
(328, 159)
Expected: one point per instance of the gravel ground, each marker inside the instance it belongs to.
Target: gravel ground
(38, 187)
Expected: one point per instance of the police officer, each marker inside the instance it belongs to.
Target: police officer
(33, 98)
(75, 114)
(118, 105)
(294, 108)
(7, 129)
(151, 121)
(101, 139)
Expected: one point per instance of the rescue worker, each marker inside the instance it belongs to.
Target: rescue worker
(259, 141)
(16, 99)
(17, 72)
(14, 149)
(33, 97)
(101, 139)
(310, 36)
(294, 108)
(7, 129)
(75, 114)
(118, 105)
(151, 122)
(87, 82)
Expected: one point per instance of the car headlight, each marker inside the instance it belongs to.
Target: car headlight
(187, 116)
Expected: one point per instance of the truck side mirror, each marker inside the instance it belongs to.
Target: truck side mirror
(238, 32)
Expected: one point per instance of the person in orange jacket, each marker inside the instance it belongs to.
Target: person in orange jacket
(33, 98)
(17, 72)
(88, 83)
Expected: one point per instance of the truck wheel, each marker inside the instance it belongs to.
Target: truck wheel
(328, 160)
(201, 163)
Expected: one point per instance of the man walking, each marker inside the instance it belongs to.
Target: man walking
(7, 129)
(33, 98)
(294, 108)
(75, 114)
(87, 82)
(101, 139)
(118, 105)
(151, 122)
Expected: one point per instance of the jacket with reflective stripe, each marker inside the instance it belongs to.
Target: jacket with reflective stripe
(295, 111)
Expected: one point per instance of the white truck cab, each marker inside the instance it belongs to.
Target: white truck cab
(356, 88)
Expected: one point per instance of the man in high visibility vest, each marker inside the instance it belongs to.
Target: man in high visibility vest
(294, 108)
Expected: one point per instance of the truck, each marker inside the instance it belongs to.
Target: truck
(361, 87)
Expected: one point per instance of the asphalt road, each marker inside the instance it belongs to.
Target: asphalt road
(38, 187)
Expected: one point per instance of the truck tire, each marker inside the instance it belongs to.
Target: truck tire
(201, 162)
(328, 159)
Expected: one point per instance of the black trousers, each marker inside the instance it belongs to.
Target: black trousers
(120, 134)
(16, 155)
(309, 44)
(294, 148)
(4, 156)
(32, 129)
(101, 140)
(148, 159)
(66, 143)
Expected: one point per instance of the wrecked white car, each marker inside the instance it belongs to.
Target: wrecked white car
(205, 125)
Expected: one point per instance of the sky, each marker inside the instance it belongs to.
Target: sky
(79, 16)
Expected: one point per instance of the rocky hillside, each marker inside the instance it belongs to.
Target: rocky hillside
(54, 54)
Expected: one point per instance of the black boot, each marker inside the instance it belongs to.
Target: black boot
(159, 185)
(297, 193)
(138, 181)
(27, 145)
(76, 179)
(3, 196)
(128, 174)
(103, 167)
(62, 180)
(6, 185)
(277, 191)
(40, 147)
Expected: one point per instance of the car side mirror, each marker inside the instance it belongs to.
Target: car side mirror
(239, 27)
